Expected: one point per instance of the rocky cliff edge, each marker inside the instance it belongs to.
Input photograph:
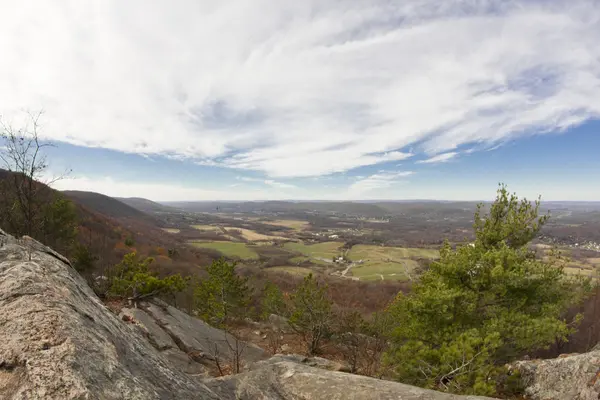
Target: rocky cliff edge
(59, 341)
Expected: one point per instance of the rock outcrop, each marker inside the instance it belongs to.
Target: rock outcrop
(575, 377)
(59, 341)
(278, 378)
(190, 344)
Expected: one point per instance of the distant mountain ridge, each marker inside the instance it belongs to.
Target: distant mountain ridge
(339, 207)
(105, 205)
(144, 205)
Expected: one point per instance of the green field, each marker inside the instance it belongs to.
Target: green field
(400, 270)
(322, 252)
(229, 249)
(382, 263)
(371, 252)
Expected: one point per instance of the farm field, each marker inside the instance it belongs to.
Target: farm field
(381, 263)
(206, 227)
(374, 270)
(372, 252)
(229, 249)
(580, 271)
(319, 251)
(289, 223)
(171, 230)
(251, 235)
(246, 234)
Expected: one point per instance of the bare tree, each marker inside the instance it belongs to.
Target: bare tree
(236, 348)
(28, 202)
(228, 360)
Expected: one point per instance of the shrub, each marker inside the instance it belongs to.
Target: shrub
(133, 279)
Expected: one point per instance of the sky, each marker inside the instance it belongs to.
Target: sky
(309, 100)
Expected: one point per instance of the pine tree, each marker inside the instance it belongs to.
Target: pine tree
(311, 315)
(483, 304)
(224, 296)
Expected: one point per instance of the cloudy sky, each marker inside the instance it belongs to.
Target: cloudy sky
(312, 99)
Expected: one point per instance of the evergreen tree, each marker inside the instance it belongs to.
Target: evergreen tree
(311, 313)
(483, 304)
(133, 279)
(224, 296)
(273, 301)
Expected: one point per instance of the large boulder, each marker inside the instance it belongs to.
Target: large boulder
(575, 377)
(278, 378)
(189, 343)
(60, 342)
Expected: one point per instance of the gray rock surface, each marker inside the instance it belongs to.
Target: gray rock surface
(575, 377)
(317, 362)
(190, 344)
(59, 342)
(288, 380)
(193, 335)
(148, 326)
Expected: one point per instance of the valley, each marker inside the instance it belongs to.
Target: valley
(380, 241)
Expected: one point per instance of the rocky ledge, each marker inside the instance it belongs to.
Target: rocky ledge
(59, 341)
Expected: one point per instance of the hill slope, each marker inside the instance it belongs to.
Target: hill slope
(144, 205)
(61, 342)
(105, 205)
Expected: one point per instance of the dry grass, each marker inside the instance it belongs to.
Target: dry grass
(171, 230)
(594, 261)
(251, 235)
(579, 271)
(206, 227)
(289, 223)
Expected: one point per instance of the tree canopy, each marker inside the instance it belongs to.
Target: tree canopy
(223, 296)
(483, 304)
(132, 278)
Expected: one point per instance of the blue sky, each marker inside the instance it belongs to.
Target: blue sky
(254, 100)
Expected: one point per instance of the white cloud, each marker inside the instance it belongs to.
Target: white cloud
(299, 88)
(164, 191)
(268, 182)
(273, 183)
(381, 180)
(439, 158)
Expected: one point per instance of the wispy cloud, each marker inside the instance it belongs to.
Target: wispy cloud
(440, 158)
(278, 184)
(303, 88)
(268, 182)
(380, 180)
